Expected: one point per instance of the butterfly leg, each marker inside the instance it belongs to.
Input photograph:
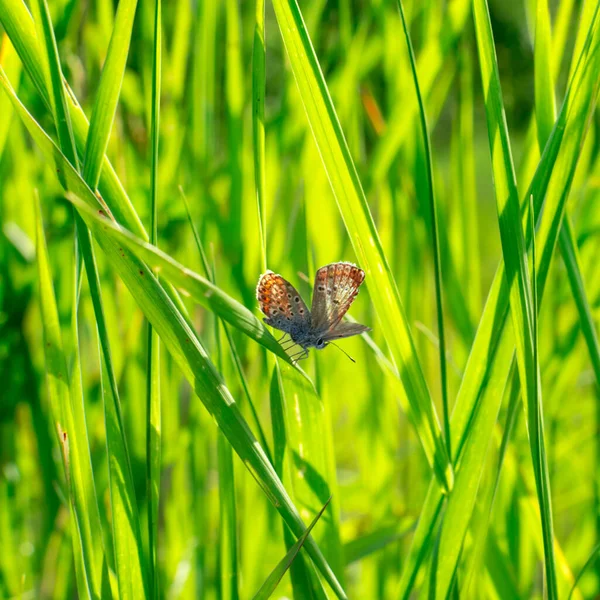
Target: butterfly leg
(288, 345)
(299, 355)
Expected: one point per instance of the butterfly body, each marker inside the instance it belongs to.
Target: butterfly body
(336, 286)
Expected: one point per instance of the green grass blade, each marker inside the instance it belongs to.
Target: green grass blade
(511, 233)
(126, 532)
(310, 461)
(153, 393)
(431, 64)
(545, 116)
(363, 234)
(234, 352)
(552, 181)
(472, 564)
(515, 258)
(270, 584)
(423, 540)
(130, 563)
(55, 87)
(570, 255)
(90, 532)
(368, 544)
(595, 554)
(96, 535)
(19, 26)
(228, 560)
(258, 125)
(126, 528)
(87, 554)
(109, 89)
(12, 65)
(305, 581)
(198, 287)
(462, 499)
(545, 108)
(229, 569)
(434, 236)
(184, 347)
(467, 227)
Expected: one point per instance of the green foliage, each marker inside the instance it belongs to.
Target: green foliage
(156, 441)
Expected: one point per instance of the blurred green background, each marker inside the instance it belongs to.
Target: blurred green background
(347, 430)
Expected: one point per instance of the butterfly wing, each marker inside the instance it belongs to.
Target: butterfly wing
(281, 303)
(336, 286)
(345, 329)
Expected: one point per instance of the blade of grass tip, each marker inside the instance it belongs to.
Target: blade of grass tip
(434, 234)
(361, 229)
(258, 125)
(515, 258)
(182, 344)
(153, 395)
(107, 95)
(272, 581)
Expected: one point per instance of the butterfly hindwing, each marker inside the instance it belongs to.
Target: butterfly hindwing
(280, 302)
(336, 286)
(345, 329)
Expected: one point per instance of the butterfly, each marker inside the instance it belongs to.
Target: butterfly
(336, 286)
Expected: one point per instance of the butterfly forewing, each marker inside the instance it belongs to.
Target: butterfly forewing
(280, 302)
(336, 286)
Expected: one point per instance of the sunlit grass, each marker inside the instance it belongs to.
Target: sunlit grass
(156, 441)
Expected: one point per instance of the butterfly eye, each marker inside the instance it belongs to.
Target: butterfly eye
(320, 343)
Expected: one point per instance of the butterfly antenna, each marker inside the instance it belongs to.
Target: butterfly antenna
(340, 348)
